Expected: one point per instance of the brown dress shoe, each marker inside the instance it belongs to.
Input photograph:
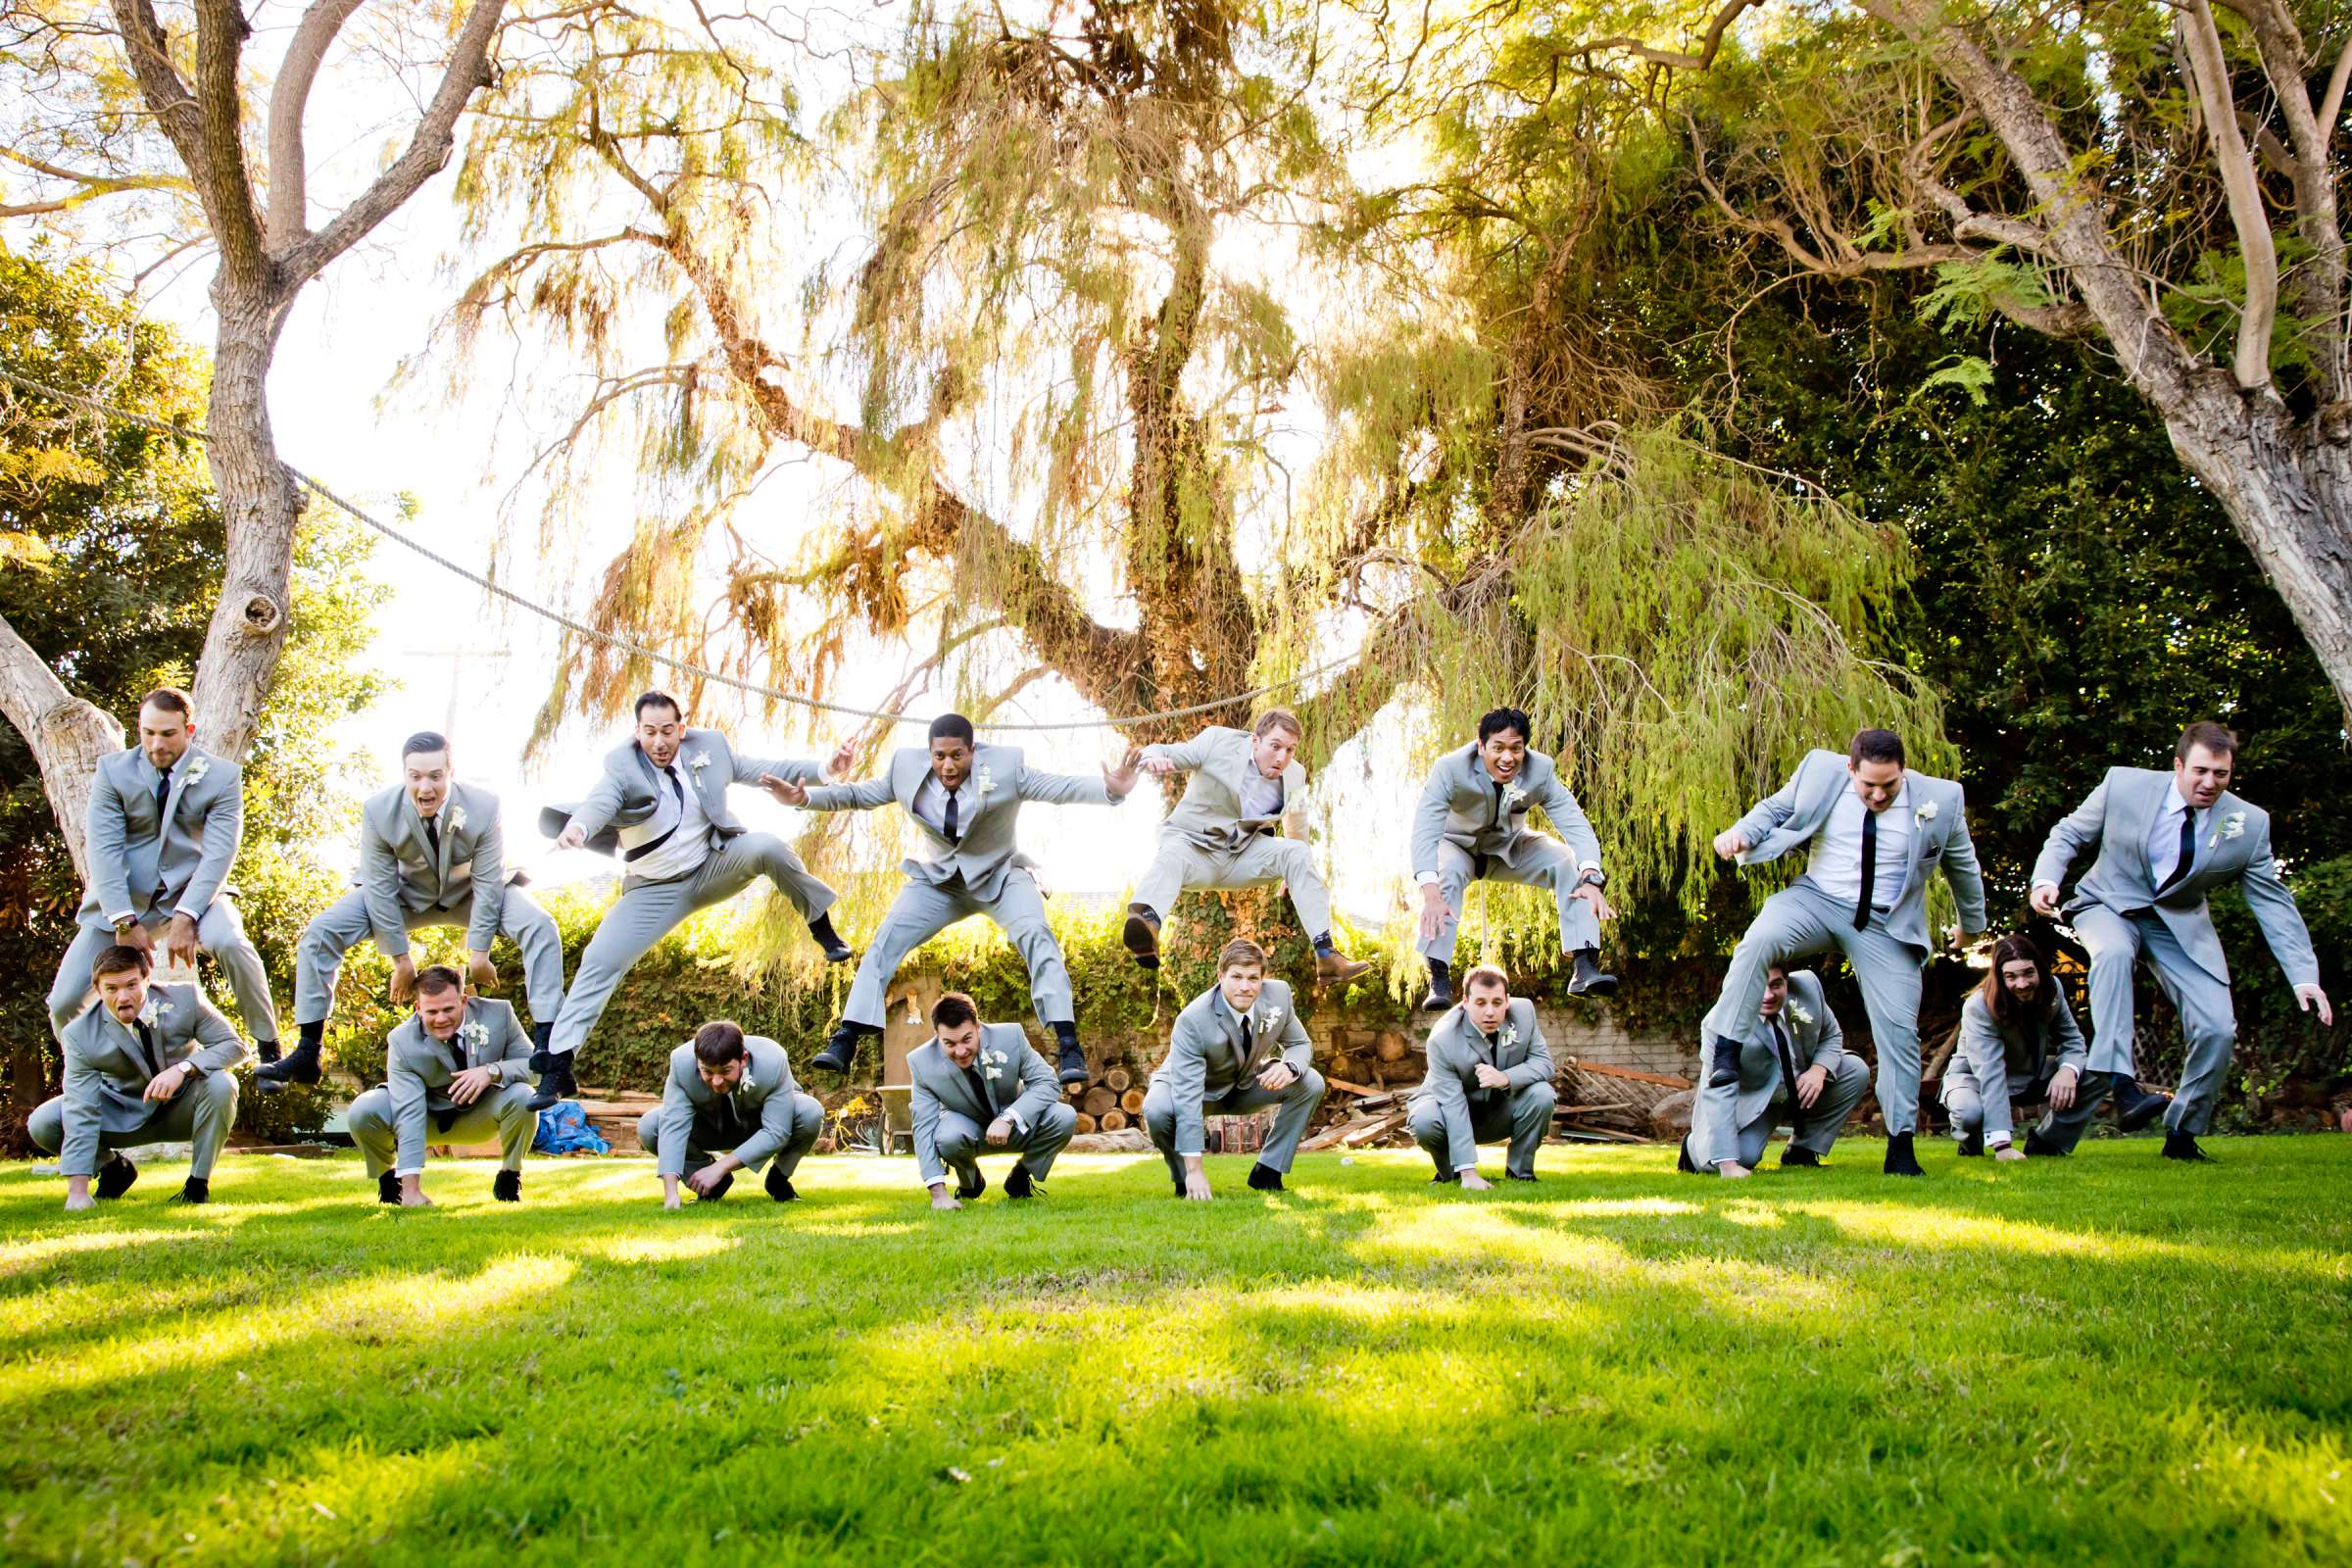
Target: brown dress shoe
(1337, 968)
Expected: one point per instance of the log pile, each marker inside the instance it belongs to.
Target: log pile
(1601, 1104)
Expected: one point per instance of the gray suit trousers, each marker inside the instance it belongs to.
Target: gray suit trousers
(922, 911)
(808, 1120)
(220, 934)
(647, 911)
(1297, 1105)
(1523, 1116)
(1838, 1097)
(1802, 920)
(503, 1112)
(962, 1141)
(1182, 866)
(2208, 1015)
(1545, 863)
(2063, 1129)
(344, 924)
(198, 1115)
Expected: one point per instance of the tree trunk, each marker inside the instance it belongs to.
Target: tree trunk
(67, 736)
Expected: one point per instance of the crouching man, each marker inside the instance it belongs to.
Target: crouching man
(149, 1064)
(1239, 1047)
(2019, 1042)
(729, 1104)
(461, 1064)
(1793, 1064)
(1490, 1077)
(978, 1087)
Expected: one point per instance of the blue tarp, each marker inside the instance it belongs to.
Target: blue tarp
(563, 1130)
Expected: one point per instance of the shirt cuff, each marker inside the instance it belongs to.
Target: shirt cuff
(1014, 1117)
(403, 1175)
(2040, 883)
(1427, 879)
(1461, 1169)
(1996, 1140)
(1590, 866)
(193, 914)
(122, 917)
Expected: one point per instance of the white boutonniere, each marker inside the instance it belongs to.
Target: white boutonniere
(1924, 814)
(474, 1033)
(198, 768)
(983, 781)
(456, 818)
(696, 762)
(2231, 827)
(156, 1010)
(990, 1072)
(1799, 1015)
(1512, 794)
(997, 1057)
(1268, 1021)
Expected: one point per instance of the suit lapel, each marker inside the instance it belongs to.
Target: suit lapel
(909, 768)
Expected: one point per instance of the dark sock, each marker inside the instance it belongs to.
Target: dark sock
(314, 1035)
(1065, 1034)
(1439, 972)
(542, 1033)
(821, 928)
(1323, 948)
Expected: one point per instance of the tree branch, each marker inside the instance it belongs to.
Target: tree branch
(220, 35)
(1709, 44)
(66, 735)
(289, 96)
(2209, 78)
(167, 97)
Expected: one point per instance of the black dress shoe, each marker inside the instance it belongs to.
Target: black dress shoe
(1683, 1160)
(195, 1189)
(1901, 1161)
(557, 1082)
(2184, 1145)
(1018, 1183)
(2038, 1145)
(1070, 1064)
(779, 1186)
(967, 1190)
(1800, 1158)
(841, 1047)
(1724, 1065)
(836, 951)
(301, 1067)
(1140, 933)
(1590, 981)
(1973, 1146)
(1265, 1178)
(718, 1189)
(1445, 1177)
(1440, 993)
(387, 1188)
(1516, 1176)
(2135, 1107)
(507, 1187)
(116, 1176)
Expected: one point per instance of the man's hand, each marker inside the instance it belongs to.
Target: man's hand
(135, 935)
(573, 837)
(412, 1192)
(1473, 1182)
(1591, 894)
(2009, 1151)
(404, 980)
(1491, 1077)
(999, 1132)
(1195, 1185)
(2310, 997)
(1732, 1170)
(843, 758)
(2062, 1089)
(480, 971)
(163, 1085)
(1808, 1086)
(784, 789)
(1158, 766)
(471, 1085)
(78, 1195)
(1120, 780)
(1277, 1077)
(179, 941)
(702, 1181)
(2045, 899)
(1433, 910)
(941, 1198)
(1730, 844)
(669, 1192)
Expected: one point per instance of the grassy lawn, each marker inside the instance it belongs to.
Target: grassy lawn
(2109, 1357)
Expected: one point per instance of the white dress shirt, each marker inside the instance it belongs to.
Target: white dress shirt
(1836, 867)
(676, 805)
(931, 803)
(2164, 835)
(1261, 797)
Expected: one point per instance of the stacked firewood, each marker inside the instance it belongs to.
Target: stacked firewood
(1113, 1099)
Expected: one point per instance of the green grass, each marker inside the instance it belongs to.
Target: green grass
(2110, 1357)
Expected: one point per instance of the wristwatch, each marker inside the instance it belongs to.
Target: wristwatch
(1594, 875)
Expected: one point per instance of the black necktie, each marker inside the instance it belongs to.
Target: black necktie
(731, 1118)
(1498, 789)
(155, 1063)
(1796, 1113)
(954, 835)
(1870, 867)
(979, 1085)
(163, 797)
(456, 1052)
(433, 836)
(2188, 848)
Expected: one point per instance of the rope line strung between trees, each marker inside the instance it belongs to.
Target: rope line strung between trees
(629, 645)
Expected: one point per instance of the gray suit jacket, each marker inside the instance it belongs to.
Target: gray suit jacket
(1458, 807)
(1019, 1082)
(1793, 816)
(624, 796)
(757, 1124)
(129, 858)
(1210, 815)
(1210, 1054)
(2000, 1059)
(1814, 1041)
(400, 872)
(1455, 1050)
(107, 1073)
(2235, 848)
(418, 1069)
(987, 850)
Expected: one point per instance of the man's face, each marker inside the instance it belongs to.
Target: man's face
(442, 1011)
(164, 735)
(2203, 774)
(659, 729)
(2021, 977)
(124, 991)
(1240, 984)
(722, 1079)
(951, 760)
(962, 1043)
(1776, 993)
(1504, 753)
(426, 776)
(1877, 783)
(1485, 1004)
(1272, 751)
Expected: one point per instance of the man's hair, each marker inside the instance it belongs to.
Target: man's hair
(719, 1042)
(1781, 969)
(2006, 1008)
(435, 978)
(1485, 975)
(171, 700)
(425, 740)
(1241, 950)
(1275, 718)
(121, 959)
(2206, 733)
(1496, 720)
(658, 699)
(953, 1011)
(951, 726)
(1875, 745)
